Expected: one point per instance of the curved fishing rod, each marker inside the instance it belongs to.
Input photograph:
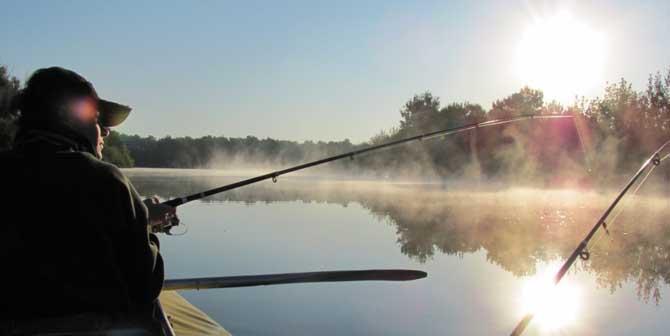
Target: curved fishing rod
(581, 251)
(273, 175)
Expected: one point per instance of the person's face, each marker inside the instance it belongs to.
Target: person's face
(103, 132)
(85, 111)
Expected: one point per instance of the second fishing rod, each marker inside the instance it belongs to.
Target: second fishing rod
(581, 250)
(425, 136)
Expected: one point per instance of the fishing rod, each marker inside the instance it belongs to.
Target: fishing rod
(292, 278)
(275, 174)
(581, 250)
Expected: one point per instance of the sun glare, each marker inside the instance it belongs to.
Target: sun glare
(562, 57)
(554, 306)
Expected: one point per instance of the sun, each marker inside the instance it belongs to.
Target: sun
(554, 306)
(561, 56)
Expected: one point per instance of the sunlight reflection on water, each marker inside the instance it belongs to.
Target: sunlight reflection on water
(554, 306)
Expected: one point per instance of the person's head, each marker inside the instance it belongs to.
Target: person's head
(61, 101)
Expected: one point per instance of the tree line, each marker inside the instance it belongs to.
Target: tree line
(613, 132)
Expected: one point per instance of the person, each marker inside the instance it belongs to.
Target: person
(76, 242)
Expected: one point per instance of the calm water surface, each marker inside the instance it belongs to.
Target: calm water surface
(488, 255)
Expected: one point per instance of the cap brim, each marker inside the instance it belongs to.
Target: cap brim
(112, 114)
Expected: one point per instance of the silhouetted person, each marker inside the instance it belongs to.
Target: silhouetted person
(75, 244)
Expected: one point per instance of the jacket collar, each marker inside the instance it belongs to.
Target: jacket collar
(47, 141)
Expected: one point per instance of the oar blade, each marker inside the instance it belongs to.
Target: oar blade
(291, 278)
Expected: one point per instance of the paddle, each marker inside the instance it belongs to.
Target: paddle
(290, 278)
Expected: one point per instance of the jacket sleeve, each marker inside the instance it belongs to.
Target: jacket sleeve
(138, 257)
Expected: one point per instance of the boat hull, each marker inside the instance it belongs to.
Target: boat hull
(187, 319)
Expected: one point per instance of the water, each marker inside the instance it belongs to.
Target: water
(485, 251)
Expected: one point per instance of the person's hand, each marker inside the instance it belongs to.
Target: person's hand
(161, 216)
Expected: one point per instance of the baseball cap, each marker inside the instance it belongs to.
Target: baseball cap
(48, 87)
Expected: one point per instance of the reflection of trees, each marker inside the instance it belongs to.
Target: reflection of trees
(514, 234)
(516, 229)
(638, 252)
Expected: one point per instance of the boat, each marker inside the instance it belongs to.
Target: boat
(179, 317)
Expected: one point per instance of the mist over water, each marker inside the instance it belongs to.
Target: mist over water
(491, 237)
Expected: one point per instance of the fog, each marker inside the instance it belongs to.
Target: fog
(517, 227)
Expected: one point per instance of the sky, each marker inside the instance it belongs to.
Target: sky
(313, 70)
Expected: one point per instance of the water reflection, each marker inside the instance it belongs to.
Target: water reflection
(518, 230)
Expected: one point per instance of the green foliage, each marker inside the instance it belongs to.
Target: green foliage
(636, 122)
(525, 102)
(222, 152)
(419, 113)
(116, 152)
(9, 86)
(622, 127)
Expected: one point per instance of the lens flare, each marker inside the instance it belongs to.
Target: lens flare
(84, 110)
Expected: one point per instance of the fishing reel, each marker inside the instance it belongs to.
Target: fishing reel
(163, 217)
(168, 226)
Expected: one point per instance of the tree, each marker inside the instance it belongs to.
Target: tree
(9, 87)
(655, 102)
(458, 114)
(116, 152)
(525, 102)
(419, 113)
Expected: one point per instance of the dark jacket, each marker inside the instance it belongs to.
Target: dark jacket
(73, 235)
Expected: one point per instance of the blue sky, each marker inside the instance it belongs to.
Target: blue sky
(306, 69)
